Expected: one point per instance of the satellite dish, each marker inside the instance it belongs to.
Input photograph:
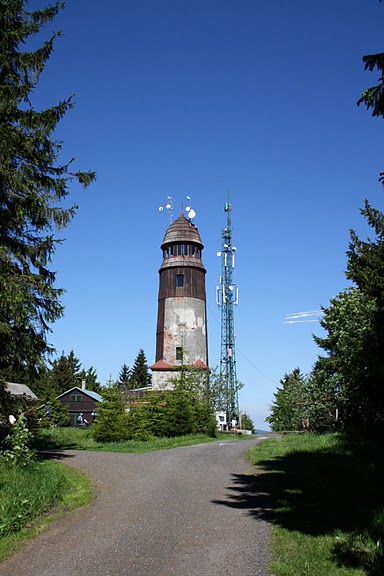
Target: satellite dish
(187, 208)
(230, 287)
(191, 214)
(219, 254)
(169, 206)
(161, 208)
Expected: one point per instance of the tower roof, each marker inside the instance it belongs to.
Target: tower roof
(182, 230)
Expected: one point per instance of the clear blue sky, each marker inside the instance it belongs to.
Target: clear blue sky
(191, 97)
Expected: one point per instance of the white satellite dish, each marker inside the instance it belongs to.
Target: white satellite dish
(191, 214)
(168, 206)
(188, 208)
(161, 208)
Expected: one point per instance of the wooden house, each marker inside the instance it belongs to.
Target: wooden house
(80, 401)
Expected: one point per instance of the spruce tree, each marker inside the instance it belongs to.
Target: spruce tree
(140, 377)
(33, 183)
(91, 380)
(124, 376)
(65, 373)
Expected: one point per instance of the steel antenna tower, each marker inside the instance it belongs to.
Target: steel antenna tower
(227, 296)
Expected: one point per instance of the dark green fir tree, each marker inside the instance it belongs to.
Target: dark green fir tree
(124, 376)
(140, 376)
(65, 373)
(34, 183)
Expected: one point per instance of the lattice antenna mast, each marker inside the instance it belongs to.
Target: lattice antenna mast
(227, 296)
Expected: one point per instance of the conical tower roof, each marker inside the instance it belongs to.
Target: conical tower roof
(182, 230)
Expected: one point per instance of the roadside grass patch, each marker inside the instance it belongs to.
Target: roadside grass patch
(324, 495)
(77, 439)
(32, 496)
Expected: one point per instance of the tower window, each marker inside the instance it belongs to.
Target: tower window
(179, 353)
(180, 280)
(171, 251)
(179, 249)
(185, 249)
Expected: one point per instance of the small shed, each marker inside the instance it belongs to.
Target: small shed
(20, 392)
(80, 401)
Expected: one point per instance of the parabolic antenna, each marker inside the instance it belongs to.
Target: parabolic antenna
(187, 208)
(161, 208)
(191, 213)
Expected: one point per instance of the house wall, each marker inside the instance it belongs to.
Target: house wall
(77, 402)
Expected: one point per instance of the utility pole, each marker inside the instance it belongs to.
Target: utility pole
(226, 298)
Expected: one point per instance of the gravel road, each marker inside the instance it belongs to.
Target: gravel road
(172, 512)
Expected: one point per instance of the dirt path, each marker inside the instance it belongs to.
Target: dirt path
(170, 512)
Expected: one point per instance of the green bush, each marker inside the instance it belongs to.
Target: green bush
(184, 410)
(18, 441)
(111, 421)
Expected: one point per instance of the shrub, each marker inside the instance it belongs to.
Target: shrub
(19, 440)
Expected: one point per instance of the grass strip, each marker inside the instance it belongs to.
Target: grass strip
(33, 496)
(77, 439)
(324, 495)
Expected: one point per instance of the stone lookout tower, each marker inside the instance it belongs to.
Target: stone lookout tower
(181, 337)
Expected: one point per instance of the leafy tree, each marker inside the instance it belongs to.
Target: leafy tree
(288, 411)
(344, 374)
(218, 389)
(140, 376)
(325, 407)
(33, 183)
(246, 423)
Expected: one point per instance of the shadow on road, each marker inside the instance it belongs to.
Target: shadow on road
(53, 455)
(317, 493)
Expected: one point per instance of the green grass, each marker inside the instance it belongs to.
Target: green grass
(76, 439)
(325, 496)
(31, 497)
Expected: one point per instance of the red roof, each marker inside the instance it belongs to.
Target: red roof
(199, 364)
(161, 365)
